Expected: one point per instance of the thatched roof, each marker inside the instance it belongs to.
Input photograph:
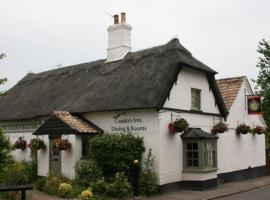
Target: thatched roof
(143, 79)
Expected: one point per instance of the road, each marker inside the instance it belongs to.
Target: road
(259, 194)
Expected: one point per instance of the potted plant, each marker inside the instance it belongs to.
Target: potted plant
(258, 130)
(243, 128)
(61, 145)
(179, 125)
(219, 128)
(36, 144)
(20, 144)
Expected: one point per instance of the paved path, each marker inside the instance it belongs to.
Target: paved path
(223, 190)
(259, 194)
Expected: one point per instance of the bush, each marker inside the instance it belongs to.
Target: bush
(40, 183)
(148, 178)
(5, 149)
(75, 191)
(19, 173)
(87, 171)
(51, 184)
(64, 189)
(120, 187)
(116, 152)
(100, 187)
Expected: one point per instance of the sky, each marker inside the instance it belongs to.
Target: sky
(38, 35)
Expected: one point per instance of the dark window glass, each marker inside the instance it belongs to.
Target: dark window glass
(192, 155)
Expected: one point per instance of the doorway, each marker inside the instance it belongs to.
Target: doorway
(55, 156)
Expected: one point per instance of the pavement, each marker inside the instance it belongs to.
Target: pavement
(223, 190)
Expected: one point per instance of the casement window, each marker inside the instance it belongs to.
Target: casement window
(195, 99)
(85, 146)
(192, 154)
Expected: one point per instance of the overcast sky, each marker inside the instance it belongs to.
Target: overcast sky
(39, 35)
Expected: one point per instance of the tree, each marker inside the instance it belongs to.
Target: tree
(5, 149)
(2, 80)
(263, 80)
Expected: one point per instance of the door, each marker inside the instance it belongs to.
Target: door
(55, 157)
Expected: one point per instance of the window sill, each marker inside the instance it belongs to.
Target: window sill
(196, 110)
(198, 170)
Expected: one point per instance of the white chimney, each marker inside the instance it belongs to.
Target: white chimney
(119, 41)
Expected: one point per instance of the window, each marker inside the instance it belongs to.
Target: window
(209, 154)
(199, 155)
(192, 154)
(85, 146)
(195, 99)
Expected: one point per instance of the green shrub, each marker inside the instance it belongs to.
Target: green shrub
(120, 187)
(100, 187)
(18, 173)
(5, 148)
(64, 189)
(51, 184)
(87, 171)
(148, 178)
(40, 183)
(116, 152)
(76, 191)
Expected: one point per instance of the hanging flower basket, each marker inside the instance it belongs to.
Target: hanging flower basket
(61, 145)
(20, 144)
(243, 128)
(179, 125)
(258, 130)
(219, 128)
(36, 144)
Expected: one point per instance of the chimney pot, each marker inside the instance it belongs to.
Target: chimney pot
(116, 19)
(123, 17)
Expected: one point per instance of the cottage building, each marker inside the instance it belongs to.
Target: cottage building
(139, 93)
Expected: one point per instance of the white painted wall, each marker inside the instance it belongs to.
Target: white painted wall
(18, 154)
(70, 157)
(180, 96)
(171, 155)
(146, 123)
(240, 152)
(43, 157)
(171, 146)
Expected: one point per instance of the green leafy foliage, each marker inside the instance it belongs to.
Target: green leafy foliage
(263, 81)
(118, 188)
(18, 173)
(116, 152)
(2, 80)
(5, 148)
(87, 171)
(148, 178)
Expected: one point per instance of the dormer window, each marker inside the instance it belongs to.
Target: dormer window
(195, 99)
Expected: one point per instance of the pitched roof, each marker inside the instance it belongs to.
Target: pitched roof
(195, 133)
(61, 122)
(229, 88)
(143, 79)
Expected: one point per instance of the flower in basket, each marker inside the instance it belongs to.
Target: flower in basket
(243, 128)
(258, 130)
(219, 128)
(20, 144)
(36, 144)
(61, 144)
(179, 125)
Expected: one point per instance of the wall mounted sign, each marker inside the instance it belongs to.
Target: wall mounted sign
(254, 105)
(127, 124)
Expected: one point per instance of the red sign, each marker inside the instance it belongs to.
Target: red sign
(254, 105)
